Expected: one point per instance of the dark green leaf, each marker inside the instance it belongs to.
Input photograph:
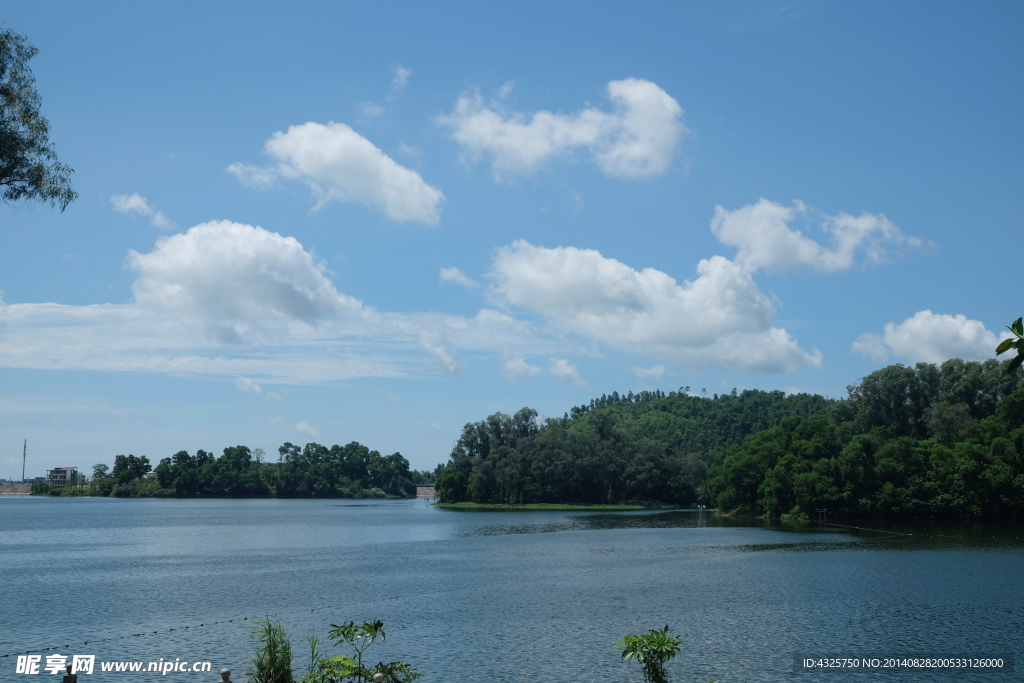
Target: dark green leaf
(1015, 363)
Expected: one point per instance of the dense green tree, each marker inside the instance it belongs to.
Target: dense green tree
(925, 442)
(650, 446)
(313, 471)
(128, 468)
(28, 161)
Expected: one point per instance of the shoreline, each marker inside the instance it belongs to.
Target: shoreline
(583, 507)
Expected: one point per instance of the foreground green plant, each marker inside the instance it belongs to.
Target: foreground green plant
(272, 662)
(651, 650)
(323, 669)
(1017, 329)
(360, 637)
(395, 672)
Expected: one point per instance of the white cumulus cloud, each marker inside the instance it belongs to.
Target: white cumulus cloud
(721, 319)
(458, 277)
(931, 338)
(137, 205)
(307, 430)
(517, 366)
(259, 177)
(656, 371)
(637, 140)
(235, 301)
(247, 386)
(563, 369)
(369, 110)
(237, 282)
(435, 344)
(399, 78)
(338, 163)
(762, 234)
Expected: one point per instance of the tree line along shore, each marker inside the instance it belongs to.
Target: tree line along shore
(925, 441)
(312, 471)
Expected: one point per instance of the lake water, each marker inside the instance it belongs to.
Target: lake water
(495, 596)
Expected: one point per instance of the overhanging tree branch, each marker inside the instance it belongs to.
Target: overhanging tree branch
(29, 169)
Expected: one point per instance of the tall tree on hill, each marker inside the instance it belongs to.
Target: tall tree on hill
(28, 162)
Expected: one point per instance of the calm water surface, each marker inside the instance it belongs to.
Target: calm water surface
(493, 596)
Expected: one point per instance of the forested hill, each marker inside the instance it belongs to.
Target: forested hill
(650, 446)
(924, 441)
(690, 424)
(908, 442)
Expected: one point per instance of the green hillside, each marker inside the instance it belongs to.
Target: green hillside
(925, 441)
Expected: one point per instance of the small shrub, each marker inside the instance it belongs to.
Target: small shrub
(272, 662)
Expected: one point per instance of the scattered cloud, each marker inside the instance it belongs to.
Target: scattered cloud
(369, 110)
(237, 282)
(764, 240)
(872, 346)
(130, 204)
(307, 430)
(258, 177)
(931, 338)
(276, 396)
(563, 369)
(254, 307)
(721, 319)
(506, 89)
(656, 372)
(391, 396)
(337, 163)
(518, 367)
(458, 277)
(137, 205)
(247, 386)
(434, 343)
(232, 301)
(399, 78)
(637, 140)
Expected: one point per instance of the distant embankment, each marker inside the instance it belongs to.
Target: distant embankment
(23, 490)
(425, 492)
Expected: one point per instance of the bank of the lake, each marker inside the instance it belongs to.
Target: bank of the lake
(560, 507)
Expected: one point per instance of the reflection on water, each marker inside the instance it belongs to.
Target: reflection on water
(675, 519)
(883, 534)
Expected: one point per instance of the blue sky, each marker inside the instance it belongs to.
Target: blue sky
(378, 222)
